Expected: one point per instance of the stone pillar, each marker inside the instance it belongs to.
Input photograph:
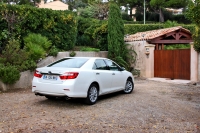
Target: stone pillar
(198, 75)
(194, 65)
(149, 60)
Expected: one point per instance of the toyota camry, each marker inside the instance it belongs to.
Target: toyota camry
(81, 77)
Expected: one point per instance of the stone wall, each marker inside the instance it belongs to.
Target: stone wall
(26, 77)
(140, 63)
(198, 66)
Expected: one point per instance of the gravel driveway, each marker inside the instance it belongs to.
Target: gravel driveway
(152, 107)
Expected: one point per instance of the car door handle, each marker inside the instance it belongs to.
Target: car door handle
(97, 73)
(113, 73)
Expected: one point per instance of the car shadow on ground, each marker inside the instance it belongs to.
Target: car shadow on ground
(76, 102)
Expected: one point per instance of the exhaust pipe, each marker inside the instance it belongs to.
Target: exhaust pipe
(38, 94)
(67, 98)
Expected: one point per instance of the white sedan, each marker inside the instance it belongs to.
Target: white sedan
(81, 77)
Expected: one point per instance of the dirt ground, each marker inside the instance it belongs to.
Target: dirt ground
(152, 107)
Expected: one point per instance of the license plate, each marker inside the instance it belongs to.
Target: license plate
(50, 77)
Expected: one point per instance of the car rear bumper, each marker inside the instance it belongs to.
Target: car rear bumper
(63, 90)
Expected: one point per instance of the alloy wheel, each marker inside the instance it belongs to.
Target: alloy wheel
(93, 94)
(128, 87)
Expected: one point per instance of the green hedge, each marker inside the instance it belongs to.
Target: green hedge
(134, 28)
(60, 27)
(140, 22)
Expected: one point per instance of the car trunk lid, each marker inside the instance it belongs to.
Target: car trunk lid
(53, 75)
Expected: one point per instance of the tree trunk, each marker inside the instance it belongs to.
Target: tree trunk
(131, 14)
(161, 16)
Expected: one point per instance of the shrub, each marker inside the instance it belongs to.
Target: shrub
(28, 65)
(169, 24)
(196, 37)
(89, 49)
(36, 46)
(12, 53)
(14, 56)
(72, 54)
(102, 43)
(92, 32)
(53, 51)
(9, 74)
(84, 40)
(4, 35)
(177, 46)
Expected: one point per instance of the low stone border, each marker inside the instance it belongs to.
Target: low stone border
(26, 77)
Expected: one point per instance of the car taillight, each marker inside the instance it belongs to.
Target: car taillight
(37, 74)
(69, 75)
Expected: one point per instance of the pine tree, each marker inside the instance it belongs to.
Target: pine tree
(115, 34)
(117, 49)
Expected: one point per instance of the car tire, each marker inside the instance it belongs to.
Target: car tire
(92, 95)
(50, 97)
(129, 86)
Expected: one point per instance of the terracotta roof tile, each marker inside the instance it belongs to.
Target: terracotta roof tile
(148, 35)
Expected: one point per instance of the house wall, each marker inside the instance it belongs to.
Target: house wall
(144, 62)
(54, 5)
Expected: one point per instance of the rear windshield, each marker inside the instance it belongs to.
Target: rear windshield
(69, 63)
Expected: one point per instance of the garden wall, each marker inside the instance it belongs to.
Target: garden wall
(27, 76)
(198, 67)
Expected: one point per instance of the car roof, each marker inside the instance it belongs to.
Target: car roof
(88, 57)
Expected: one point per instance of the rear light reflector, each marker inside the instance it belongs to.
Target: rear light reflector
(69, 75)
(37, 74)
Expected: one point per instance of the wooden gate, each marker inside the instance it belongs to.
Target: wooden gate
(174, 64)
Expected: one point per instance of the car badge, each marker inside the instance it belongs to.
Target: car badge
(49, 72)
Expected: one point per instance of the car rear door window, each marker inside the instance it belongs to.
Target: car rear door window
(99, 64)
(112, 66)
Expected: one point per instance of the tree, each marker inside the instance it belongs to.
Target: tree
(193, 14)
(116, 44)
(130, 4)
(159, 4)
(22, 2)
(29, 2)
(96, 10)
(75, 4)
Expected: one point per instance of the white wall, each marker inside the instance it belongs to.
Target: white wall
(140, 64)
